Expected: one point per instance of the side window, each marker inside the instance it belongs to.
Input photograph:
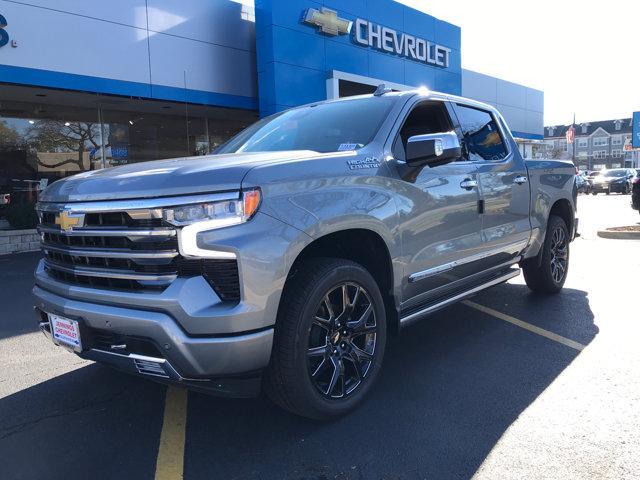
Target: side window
(481, 136)
(426, 117)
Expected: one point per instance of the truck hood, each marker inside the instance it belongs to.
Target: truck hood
(161, 178)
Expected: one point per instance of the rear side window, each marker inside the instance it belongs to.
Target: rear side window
(481, 136)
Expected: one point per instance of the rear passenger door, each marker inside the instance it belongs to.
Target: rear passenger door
(502, 182)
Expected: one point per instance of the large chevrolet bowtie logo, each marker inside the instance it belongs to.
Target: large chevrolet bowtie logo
(67, 221)
(327, 21)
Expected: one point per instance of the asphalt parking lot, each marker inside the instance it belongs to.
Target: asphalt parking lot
(509, 385)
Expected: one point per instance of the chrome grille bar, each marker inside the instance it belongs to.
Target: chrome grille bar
(110, 253)
(98, 232)
(112, 273)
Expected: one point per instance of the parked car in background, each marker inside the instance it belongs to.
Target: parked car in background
(590, 175)
(635, 192)
(582, 183)
(615, 180)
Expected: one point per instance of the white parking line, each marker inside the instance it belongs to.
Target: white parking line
(527, 326)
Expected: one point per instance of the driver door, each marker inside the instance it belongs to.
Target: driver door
(438, 210)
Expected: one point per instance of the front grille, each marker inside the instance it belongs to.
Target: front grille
(108, 219)
(127, 252)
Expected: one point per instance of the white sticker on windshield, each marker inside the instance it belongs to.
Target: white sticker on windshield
(347, 146)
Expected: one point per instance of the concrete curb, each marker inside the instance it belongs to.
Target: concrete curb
(619, 235)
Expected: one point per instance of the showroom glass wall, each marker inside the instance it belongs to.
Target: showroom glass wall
(47, 134)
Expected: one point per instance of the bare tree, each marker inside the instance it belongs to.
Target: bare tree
(72, 137)
(8, 136)
(557, 153)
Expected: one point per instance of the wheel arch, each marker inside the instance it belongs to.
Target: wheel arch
(562, 208)
(363, 246)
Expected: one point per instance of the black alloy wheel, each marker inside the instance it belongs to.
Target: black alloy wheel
(329, 339)
(342, 340)
(547, 272)
(559, 254)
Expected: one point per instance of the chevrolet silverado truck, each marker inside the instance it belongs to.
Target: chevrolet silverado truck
(286, 261)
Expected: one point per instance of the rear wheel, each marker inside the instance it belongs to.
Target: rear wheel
(329, 341)
(548, 273)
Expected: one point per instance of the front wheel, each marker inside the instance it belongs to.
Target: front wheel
(329, 339)
(548, 274)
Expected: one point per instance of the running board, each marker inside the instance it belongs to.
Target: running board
(413, 317)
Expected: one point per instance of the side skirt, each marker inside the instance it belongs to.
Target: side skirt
(414, 316)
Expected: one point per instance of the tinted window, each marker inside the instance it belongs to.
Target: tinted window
(618, 172)
(326, 127)
(427, 117)
(482, 139)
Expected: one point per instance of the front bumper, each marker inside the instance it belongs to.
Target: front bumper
(208, 363)
(197, 338)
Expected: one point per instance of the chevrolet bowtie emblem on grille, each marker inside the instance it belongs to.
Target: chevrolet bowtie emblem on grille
(327, 21)
(67, 221)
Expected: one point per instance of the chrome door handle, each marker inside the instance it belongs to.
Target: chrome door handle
(468, 184)
(520, 179)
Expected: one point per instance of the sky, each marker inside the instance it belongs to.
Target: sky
(584, 55)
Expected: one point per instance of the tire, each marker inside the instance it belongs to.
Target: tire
(543, 277)
(608, 192)
(594, 193)
(309, 349)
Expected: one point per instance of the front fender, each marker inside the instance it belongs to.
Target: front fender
(323, 197)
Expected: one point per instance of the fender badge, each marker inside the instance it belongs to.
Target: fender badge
(360, 163)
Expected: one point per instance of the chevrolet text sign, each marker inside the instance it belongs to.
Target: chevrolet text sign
(389, 40)
(369, 34)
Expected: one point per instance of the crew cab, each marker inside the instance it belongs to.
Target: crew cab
(288, 259)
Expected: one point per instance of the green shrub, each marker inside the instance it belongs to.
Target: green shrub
(22, 216)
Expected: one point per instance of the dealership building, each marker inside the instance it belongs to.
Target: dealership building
(92, 84)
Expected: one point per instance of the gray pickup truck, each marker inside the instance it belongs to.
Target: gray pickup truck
(287, 260)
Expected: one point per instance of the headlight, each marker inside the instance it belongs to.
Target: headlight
(224, 213)
(201, 217)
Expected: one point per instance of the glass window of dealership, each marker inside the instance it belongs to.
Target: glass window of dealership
(177, 80)
(49, 134)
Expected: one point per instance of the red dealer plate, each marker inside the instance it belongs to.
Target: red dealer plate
(65, 332)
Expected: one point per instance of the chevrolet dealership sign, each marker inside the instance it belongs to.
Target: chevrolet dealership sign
(369, 34)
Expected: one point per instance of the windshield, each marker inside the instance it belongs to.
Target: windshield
(326, 127)
(619, 172)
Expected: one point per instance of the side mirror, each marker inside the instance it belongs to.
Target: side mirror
(433, 148)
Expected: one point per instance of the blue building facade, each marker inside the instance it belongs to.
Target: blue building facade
(93, 84)
(382, 40)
